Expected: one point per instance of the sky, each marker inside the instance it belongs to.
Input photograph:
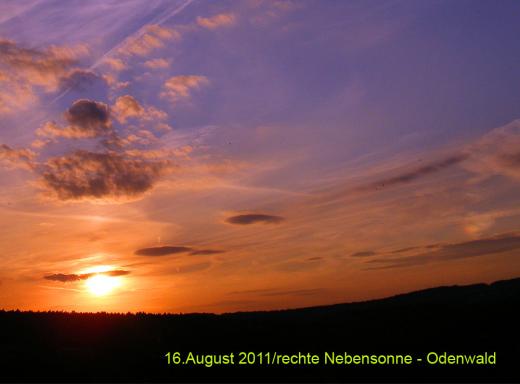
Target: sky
(197, 156)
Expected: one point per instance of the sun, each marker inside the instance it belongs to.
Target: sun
(101, 285)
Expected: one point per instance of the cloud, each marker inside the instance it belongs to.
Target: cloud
(254, 218)
(23, 69)
(88, 115)
(497, 152)
(86, 118)
(180, 87)
(202, 252)
(154, 37)
(157, 63)
(120, 172)
(364, 254)
(39, 67)
(413, 175)
(67, 278)
(217, 21)
(172, 250)
(455, 251)
(115, 63)
(90, 175)
(15, 96)
(81, 79)
(127, 107)
(16, 157)
(162, 251)
(407, 249)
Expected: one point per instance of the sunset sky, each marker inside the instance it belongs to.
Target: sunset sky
(189, 156)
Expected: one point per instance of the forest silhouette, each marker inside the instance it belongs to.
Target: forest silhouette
(100, 347)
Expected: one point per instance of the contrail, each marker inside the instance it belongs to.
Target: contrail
(140, 32)
(21, 11)
(158, 20)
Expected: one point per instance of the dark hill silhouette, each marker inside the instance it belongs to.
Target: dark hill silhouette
(57, 346)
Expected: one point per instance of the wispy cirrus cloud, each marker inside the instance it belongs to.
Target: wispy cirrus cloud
(497, 152)
(453, 251)
(166, 250)
(205, 252)
(278, 292)
(409, 176)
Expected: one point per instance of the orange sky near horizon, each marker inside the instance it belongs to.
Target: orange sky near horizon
(188, 156)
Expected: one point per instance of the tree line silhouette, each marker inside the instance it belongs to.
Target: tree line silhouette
(99, 347)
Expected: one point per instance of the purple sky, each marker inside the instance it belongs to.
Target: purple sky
(235, 155)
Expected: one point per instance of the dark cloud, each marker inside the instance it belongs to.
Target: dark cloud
(409, 176)
(162, 251)
(202, 252)
(467, 249)
(92, 118)
(66, 278)
(253, 218)
(85, 118)
(317, 258)
(91, 175)
(364, 254)
(81, 80)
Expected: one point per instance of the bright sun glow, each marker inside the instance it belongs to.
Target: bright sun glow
(99, 268)
(101, 285)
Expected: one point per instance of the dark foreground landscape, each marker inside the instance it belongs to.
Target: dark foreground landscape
(112, 347)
